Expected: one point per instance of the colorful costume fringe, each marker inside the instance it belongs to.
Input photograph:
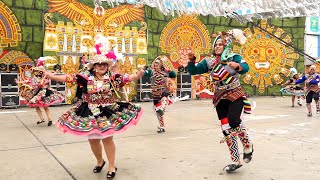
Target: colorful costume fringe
(230, 137)
(160, 93)
(229, 97)
(312, 90)
(227, 85)
(98, 114)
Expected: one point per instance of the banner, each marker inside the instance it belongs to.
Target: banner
(312, 25)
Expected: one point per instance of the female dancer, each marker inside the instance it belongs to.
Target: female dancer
(293, 88)
(312, 79)
(229, 98)
(97, 114)
(40, 95)
(159, 89)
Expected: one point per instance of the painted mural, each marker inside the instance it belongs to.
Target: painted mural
(15, 57)
(269, 60)
(202, 86)
(71, 26)
(74, 41)
(10, 31)
(182, 35)
(10, 35)
(96, 19)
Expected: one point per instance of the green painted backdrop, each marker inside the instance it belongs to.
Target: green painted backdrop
(30, 16)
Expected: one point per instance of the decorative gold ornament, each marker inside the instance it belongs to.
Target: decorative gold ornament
(174, 56)
(70, 65)
(47, 19)
(266, 57)
(141, 45)
(141, 62)
(15, 57)
(25, 72)
(127, 67)
(51, 41)
(10, 31)
(183, 35)
(85, 16)
(50, 61)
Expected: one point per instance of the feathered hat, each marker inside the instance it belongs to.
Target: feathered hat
(39, 69)
(40, 65)
(98, 57)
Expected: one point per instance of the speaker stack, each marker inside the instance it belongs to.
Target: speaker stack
(184, 84)
(144, 89)
(9, 91)
(60, 87)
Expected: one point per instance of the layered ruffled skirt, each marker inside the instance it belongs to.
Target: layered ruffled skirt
(45, 97)
(97, 121)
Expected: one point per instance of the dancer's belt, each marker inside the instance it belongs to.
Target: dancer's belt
(228, 86)
(98, 99)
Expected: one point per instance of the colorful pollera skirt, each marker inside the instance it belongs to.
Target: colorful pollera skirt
(99, 121)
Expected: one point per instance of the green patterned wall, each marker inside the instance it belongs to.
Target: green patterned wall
(30, 16)
(293, 27)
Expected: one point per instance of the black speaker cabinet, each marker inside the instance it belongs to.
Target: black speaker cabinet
(58, 86)
(144, 83)
(184, 81)
(10, 101)
(184, 92)
(8, 84)
(144, 95)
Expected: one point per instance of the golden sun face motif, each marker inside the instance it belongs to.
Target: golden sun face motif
(51, 41)
(269, 60)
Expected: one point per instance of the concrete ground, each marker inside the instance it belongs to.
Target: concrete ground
(286, 143)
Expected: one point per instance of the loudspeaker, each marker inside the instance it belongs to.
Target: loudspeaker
(58, 86)
(144, 83)
(12, 100)
(184, 80)
(8, 84)
(184, 92)
(9, 67)
(144, 95)
(13, 67)
(144, 89)
(3, 67)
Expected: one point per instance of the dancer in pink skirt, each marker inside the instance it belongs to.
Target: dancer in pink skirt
(99, 114)
(39, 93)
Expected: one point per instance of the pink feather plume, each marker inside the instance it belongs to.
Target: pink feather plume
(111, 55)
(97, 46)
(40, 62)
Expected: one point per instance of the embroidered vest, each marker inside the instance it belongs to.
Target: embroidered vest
(99, 92)
(158, 83)
(227, 83)
(224, 77)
